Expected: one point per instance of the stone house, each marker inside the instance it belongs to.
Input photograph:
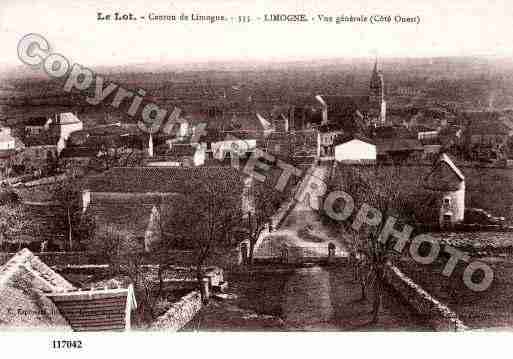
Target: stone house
(178, 155)
(7, 141)
(66, 123)
(155, 202)
(75, 156)
(36, 297)
(449, 184)
(234, 142)
(399, 149)
(35, 126)
(486, 136)
(327, 135)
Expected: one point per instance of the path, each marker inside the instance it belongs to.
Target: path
(304, 299)
(274, 297)
(302, 231)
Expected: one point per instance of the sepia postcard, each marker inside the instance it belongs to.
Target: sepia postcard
(254, 167)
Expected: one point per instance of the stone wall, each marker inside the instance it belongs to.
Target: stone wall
(439, 316)
(179, 314)
(61, 258)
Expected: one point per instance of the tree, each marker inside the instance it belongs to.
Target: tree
(209, 212)
(114, 154)
(14, 224)
(51, 163)
(217, 209)
(67, 195)
(125, 255)
(385, 189)
(266, 201)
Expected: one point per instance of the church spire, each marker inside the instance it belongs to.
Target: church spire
(377, 96)
(376, 81)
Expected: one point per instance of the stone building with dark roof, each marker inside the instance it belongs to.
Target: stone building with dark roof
(36, 297)
(486, 136)
(24, 283)
(398, 149)
(135, 198)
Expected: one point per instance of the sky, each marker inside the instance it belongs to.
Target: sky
(458, 28)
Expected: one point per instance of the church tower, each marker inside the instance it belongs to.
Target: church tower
(377, 103)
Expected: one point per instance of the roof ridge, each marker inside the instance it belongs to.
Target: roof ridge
(446, 159)
(13, 264)
(27, 260)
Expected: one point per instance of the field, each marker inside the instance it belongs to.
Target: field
(461, 83)
(491, 308)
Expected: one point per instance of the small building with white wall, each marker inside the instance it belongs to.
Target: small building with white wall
(7, 141)
(355, 149)
(66, 123)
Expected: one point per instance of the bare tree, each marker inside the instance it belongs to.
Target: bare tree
(67, 195)
(14, 223)
(204, 223)
(218, 211)
(384, 189)
(125, 255)
(266, 200)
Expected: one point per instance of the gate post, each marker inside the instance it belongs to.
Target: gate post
(244, 253)
(284, 254)
(331, 252)
(205, 289)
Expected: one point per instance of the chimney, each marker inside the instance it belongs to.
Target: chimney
(291, 118)
(86, 199)
(150, 146)
(324, 109)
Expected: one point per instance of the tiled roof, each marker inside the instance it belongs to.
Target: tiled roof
(392, 132)
(445, 176)
(344, 139)
(43, 139)
(242, 135)
(212, 135)
(115, 129)
(398, 145)
(36, 121)
(336, 102)
(486, 123)
(446, 159)
(76, 152)
(164, 179)
(132, 217)
(67, 118)
(424, 128)
(244, 121)
(96, 310)
(330, 127)
(24, 280)
(179, 150)
(345, 105)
